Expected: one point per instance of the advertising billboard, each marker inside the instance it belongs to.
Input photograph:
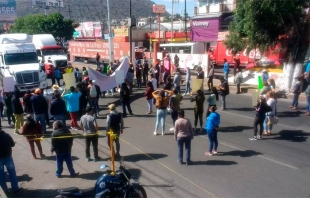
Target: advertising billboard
(48, 3)
(7, 10)
(204, 30)
(88, 29)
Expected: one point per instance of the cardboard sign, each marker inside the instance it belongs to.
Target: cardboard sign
(255, 97)
(196, 84)
(8, 84)
(69, 80)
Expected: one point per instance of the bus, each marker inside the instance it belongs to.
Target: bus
(190, 54)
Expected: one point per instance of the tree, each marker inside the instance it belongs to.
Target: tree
(55, 24)
(268, 24)
(167, 19)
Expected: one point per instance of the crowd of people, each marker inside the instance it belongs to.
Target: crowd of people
(161, 89)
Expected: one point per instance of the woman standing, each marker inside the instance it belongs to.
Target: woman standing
(270, 116)
(149, 97)
(183, 134)
(212, 100)
(210, 76)
(33, 130)
(261, 109)
(296, 92)
(174, 105)
(212, 126)
(162, 102)
(198, 108)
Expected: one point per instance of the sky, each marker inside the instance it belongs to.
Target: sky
(179, 7)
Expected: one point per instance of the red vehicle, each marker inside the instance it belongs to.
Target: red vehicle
(219, 52)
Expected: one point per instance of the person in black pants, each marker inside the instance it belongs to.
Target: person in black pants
(90, 128)
(125, 99)
(115, 124)
(261, 109)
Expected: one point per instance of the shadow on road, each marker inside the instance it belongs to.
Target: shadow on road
(246, 153)
(234, 129)
(141, 157)
(289, 114)
(214, 163)
(53, 157)
(36, 193)
(242, 109)
(290, 135)
(91, 176)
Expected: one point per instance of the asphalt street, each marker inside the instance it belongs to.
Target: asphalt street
(277, 166)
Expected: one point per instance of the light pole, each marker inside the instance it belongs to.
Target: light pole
(59, 5)
(111, 51)
(130, 34)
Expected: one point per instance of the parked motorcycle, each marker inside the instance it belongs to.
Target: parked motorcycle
(111, 184)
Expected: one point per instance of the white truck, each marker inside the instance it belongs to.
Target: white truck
(18, 58)
(48, 51)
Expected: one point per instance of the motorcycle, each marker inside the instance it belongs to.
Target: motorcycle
(110, 184)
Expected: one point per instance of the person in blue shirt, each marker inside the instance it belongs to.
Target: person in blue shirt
(212, 126)
(58, 75)
(73, 104)
(265, 75)
(226, 69)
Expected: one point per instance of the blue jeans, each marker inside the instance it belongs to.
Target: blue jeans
(139, 82)
(187, 87)
(226, 75)
(60, 158)
(93, 104)
(9, 164)
(223, 99)
(124, 105)
(295, 100)
(62, 118)
(267, 127)
(308, 102)
(212, 135)
(187, 142)
(41, 118)
(161, 117)
(150, 104)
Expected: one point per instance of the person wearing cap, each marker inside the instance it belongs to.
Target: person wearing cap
(58, 109)
(17, 111)
(89, 126)
(73, 104)
(115, 124)
(40, 108)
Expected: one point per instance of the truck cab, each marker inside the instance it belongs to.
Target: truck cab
(18, 59)
(48, 51)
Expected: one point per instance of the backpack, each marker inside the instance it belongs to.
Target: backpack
(93, 92)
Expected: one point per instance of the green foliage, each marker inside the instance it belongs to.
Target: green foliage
(62, 29)
(167, 19)
(266, 24)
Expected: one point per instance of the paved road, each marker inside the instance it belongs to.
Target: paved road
(277, 166)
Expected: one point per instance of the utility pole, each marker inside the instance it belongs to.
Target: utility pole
(69, 11)
(111, 48)
(59, 6)
(172, 17)
(130, 34)
(185, 25)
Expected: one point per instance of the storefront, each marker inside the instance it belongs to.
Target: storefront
(204, 29)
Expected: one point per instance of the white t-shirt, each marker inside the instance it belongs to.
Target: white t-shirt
(272, 103)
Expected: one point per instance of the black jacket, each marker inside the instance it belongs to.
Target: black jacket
(39, 104)
(124, 94)
(261, 109)
(61, 145)
(6, 144)
(58, 107)
(16, 104)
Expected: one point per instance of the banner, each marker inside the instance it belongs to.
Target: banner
(119, 76)
(8, 84)
(196, 84)
(109, 82)
(8, 10)
(69, 80)
(48, 3)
